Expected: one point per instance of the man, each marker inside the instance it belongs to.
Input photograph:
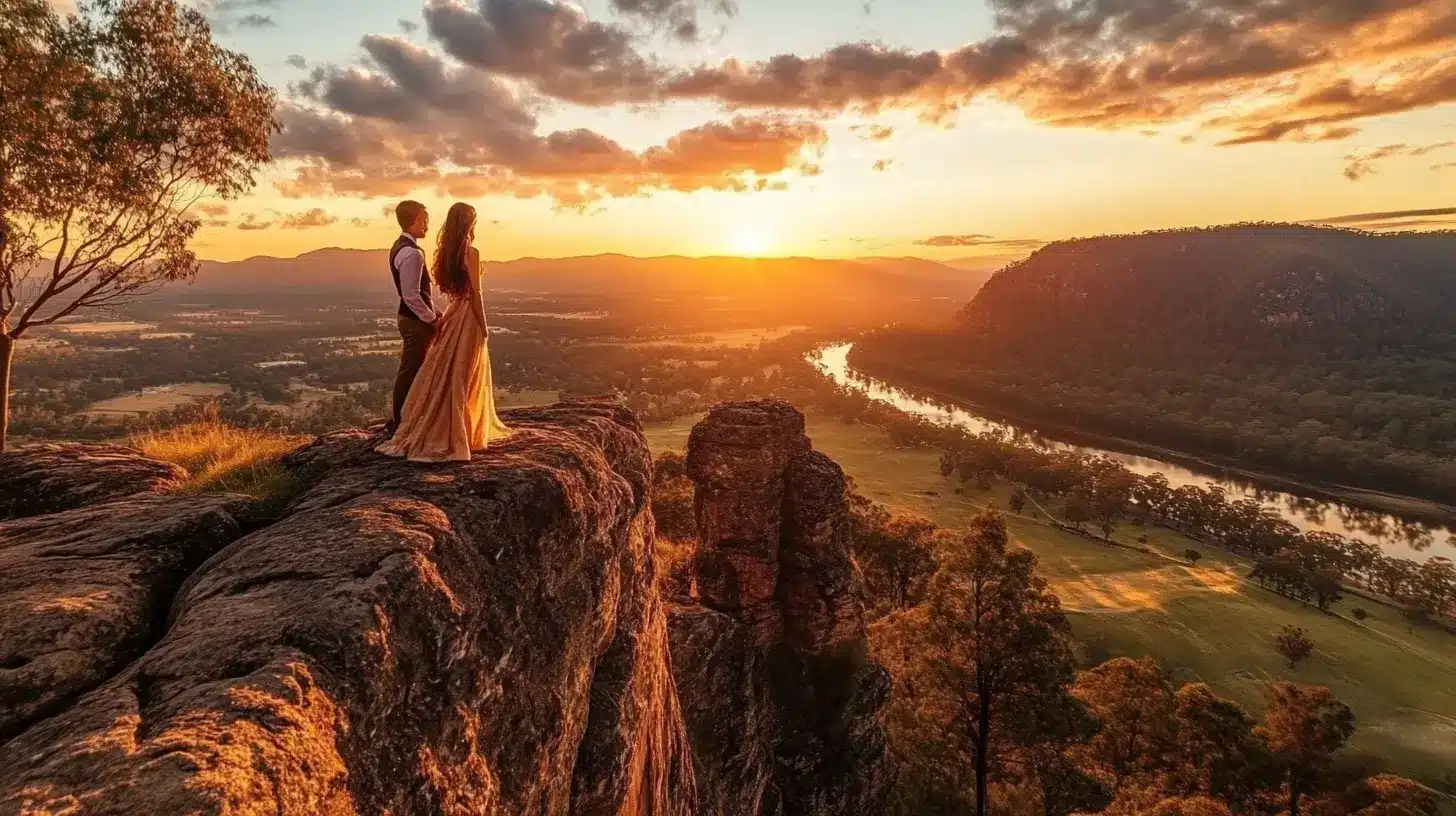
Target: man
(416, 310)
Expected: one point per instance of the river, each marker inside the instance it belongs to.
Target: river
(1396, 536)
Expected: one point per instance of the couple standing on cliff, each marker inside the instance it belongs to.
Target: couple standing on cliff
(444, 405)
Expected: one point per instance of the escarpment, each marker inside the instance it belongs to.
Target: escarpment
(477, 638)
(781, 698)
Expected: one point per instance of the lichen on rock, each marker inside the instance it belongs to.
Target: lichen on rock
(50, 478)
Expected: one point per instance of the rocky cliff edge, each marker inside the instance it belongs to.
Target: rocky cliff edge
(422, 639)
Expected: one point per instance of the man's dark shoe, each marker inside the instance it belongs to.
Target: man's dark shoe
(390, 427)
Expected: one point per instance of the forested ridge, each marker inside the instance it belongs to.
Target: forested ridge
(1330, 354)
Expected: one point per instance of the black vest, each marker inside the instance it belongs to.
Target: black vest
(404, 309)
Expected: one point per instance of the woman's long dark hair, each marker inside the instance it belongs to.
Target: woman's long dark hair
(456, 237)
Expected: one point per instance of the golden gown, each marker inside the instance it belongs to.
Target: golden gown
(450, 410)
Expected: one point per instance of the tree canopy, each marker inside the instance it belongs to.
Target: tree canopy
(117, 119)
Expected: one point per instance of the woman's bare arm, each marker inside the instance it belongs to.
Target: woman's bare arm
(477, 297)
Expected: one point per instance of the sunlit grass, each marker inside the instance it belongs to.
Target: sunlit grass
(222, 459)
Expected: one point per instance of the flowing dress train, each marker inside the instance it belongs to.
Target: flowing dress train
(451, 407)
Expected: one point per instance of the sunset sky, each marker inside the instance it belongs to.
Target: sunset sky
(838, 128)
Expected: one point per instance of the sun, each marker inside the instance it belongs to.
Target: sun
(750, 240)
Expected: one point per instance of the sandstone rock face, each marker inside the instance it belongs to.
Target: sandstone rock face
(36, 479)
(481, 638)
(84, 592)
(781, 700)
(409, 639)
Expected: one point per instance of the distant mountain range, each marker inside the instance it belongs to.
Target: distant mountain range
(365, 273)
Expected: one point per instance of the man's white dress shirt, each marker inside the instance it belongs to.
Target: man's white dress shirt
(411, 263)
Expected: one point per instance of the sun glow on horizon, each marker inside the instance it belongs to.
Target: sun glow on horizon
(751, 240)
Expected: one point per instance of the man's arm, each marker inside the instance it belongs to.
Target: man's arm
(411, 270)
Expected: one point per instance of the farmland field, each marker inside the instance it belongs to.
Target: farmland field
(158, 398)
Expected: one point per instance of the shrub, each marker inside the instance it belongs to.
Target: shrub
(1360, 613)
(1192, 556)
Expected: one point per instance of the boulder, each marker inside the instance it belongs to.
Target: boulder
(782, 702)
(49, 478)
(84, 592)
(479, 637)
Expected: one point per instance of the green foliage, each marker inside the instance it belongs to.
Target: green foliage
(983, 668)
(115, 122)
(895, 553)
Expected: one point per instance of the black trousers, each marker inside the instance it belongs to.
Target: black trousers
(417, 336)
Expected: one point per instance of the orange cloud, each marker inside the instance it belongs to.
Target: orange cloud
(311, 219)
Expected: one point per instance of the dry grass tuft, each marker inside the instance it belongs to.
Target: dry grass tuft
(223, 459)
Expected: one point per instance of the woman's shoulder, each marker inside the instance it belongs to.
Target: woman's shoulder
(472, 253)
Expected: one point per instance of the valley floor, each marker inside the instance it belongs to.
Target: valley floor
(1201, 623)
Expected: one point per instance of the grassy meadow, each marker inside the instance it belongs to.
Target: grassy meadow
(1201, 623)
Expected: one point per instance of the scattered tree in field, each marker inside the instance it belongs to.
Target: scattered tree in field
(1017, 502)
(1313, 566)
(1078, 509)
(895, 553)
(1294, 644)
(1360, 613)
(1304, 728)
(984, 664)
(113, 123)
(1192, 556)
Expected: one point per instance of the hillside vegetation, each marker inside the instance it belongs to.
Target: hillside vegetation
(1326, 353)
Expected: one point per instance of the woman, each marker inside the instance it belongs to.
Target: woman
(451, 407)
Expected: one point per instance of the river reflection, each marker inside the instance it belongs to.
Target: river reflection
(1398, 537)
